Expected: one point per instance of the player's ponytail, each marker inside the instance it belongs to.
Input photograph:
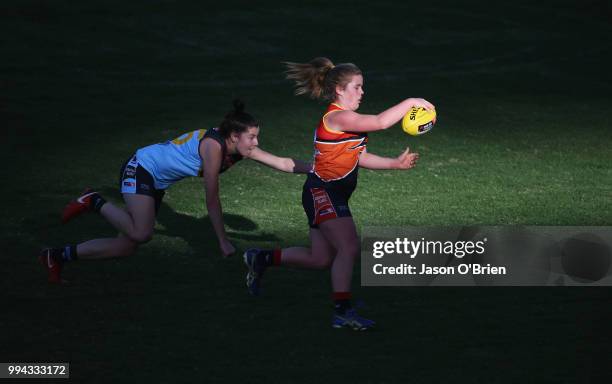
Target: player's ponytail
(237, 120)
(309, 77)
(319, 77)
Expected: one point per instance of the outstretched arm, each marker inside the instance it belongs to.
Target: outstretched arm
(284, 164)
(406, 160)
(355, 122)
(211, 153)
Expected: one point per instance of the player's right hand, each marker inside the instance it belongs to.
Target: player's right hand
(418, 102)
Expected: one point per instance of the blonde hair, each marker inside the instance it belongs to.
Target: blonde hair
(320, 77)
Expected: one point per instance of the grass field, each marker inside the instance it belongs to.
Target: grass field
(522, 92)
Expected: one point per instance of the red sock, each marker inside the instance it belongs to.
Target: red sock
(341, 296)
(342, 302)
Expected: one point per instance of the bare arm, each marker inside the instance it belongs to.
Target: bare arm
(406, 160)
(355, 122)
(284, 164)
(211, 153)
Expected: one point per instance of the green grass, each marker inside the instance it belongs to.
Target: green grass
(522, 93)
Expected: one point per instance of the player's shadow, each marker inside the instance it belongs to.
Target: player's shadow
(200, 234)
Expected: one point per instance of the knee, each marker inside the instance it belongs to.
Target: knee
(141, 237)
(128, 247)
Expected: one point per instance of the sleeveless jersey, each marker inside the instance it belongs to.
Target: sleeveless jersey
(336, 153)
(176, 159)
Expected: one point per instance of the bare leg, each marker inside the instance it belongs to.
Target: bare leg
(136, 223)
(342, 235)
(137, 220)
(119, 246)
(320, 257)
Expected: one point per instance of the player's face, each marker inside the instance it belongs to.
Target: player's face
(247, 141)
(350, 96)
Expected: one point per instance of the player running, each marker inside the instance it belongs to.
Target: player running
(150, 171)
(339, 150)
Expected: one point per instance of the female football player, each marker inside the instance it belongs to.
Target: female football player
(151, 170)
(340, 149)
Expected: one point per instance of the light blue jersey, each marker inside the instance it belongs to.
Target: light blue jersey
(173, 160)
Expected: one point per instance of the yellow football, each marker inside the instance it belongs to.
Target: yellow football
(418, 121)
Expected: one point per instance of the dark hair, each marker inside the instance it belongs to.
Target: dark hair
(319, 77)
(237, 120)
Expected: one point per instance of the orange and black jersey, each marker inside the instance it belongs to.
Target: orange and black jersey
(336, 153)
(329, 187)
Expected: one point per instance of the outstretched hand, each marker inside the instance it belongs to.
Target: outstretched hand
(407, 159)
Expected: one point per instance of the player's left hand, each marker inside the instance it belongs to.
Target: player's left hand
(407, 159)
(227, 249)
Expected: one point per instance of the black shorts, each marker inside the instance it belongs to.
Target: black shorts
(134, 179)
(324, 201)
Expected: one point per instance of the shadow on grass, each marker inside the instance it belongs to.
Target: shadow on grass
(199, 232)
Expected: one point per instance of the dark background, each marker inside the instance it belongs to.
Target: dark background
(522, 91)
